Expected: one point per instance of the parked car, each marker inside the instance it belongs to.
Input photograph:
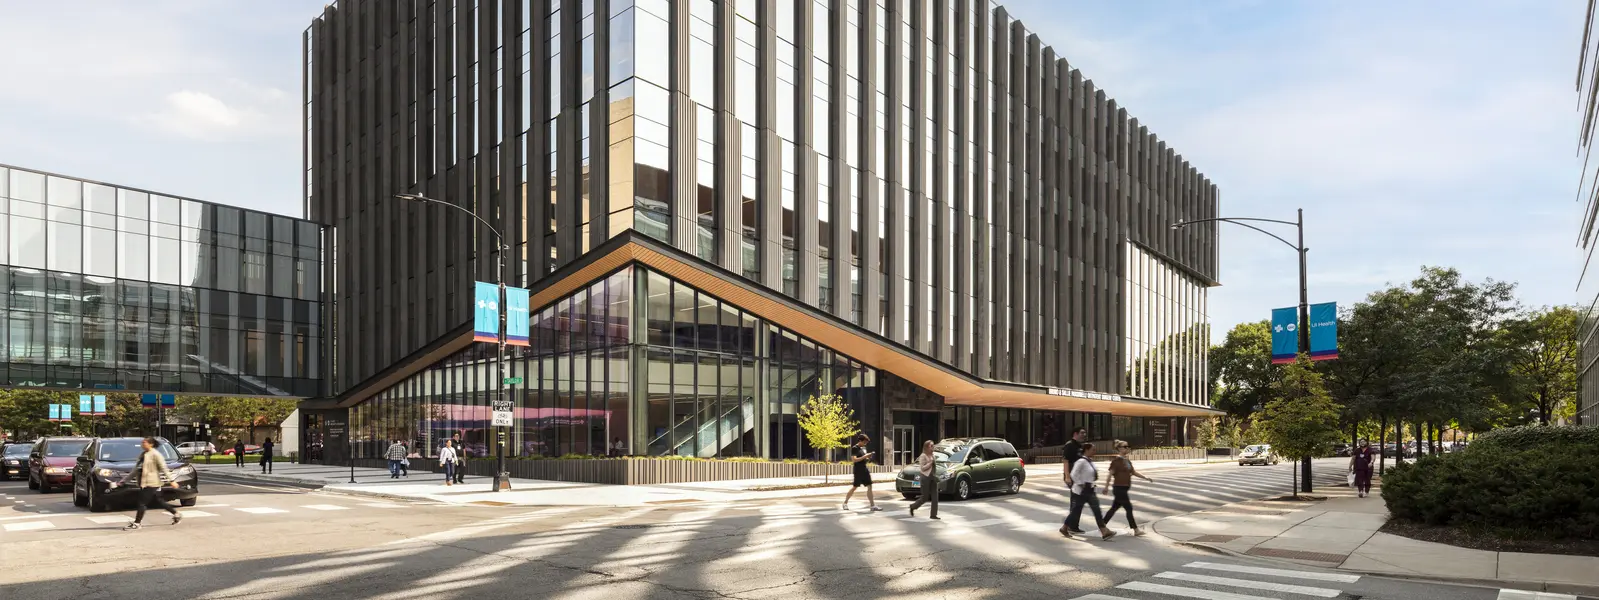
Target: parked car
(192, 449)
(14, 460)
(248, 450)
(966, 467)
(1342, 449)
(1258, 454)
(50, 462)
(108, 460)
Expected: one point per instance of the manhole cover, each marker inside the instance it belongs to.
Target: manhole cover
(1299, 555)
(1214, 539)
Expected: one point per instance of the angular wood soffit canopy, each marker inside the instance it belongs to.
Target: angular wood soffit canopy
(955, 387)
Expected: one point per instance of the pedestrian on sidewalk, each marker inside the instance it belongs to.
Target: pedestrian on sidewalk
(405, 463)
(460, 460)
(238, 454)
(150, 474)
(1120, 481)
(1360, 465)
(863, 473)
(1068, 457)
(266, 456)
(395, 454)
(447, 460)
(1083, 493)
(929, 480)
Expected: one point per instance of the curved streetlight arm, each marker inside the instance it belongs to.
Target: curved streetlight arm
(499, 239)
(1240, 223)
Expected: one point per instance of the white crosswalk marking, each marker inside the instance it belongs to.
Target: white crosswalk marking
(380, 505)
(110, 519)
(29, 526)
(1172, 590)
(1338, 577)
(1100, 597)
(1526, 595)
(260, 510)
(1251, 584)
(325, 507)
(194, 514)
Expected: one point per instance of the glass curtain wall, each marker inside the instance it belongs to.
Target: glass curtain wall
(687, 383)
(1028, 428)
(114, 288)
(1168, 334)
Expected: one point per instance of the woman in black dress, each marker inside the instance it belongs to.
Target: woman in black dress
(863, 475)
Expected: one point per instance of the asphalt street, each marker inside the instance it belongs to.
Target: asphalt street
(262, 541)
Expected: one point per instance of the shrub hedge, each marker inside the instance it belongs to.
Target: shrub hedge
(1543, 480)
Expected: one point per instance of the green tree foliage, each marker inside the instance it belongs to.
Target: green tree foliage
(1541, 352)
(1302, 422)
(828, 422)
(1241, 372)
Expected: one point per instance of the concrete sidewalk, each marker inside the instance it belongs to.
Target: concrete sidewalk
(1342, 532)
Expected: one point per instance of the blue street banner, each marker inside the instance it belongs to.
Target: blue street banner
(486, 313)
(85, 404)
(55, 412)
(1284, 335)
(149, 399)
(516, 316)
(1324, 331)
(99, 405)
(169, 400)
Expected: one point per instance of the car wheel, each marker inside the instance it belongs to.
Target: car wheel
(44, 486)
(1242, 463)
(1015, 483)
(911, 496)
(963, 489)
(96, 501)
(188, 501)
(78, 500)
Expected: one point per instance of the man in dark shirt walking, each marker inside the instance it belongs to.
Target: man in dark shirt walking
(1069, 456)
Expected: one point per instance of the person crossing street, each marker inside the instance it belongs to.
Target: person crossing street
(447, 460)
(928, 481)
(1120, 481)
(150, 474)
(1083, 476)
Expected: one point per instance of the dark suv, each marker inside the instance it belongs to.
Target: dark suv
(14, 460)
(108, 460)
(51, 461)
(968, 466)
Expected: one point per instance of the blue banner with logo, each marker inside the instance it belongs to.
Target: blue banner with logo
(486, 313)
(1284, 335)
(1324, 331)
(85, 404)
(169, 400)
(99, 405)
(149, 399)
(55, 412)
(516, 316)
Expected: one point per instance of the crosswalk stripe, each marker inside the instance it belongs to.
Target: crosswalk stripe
(1172, 590)
(109, 519)
(1100, 597)
(325, 507)
(29, 526)
(188, 514)
(1251, 584)
(1526, 595)
(260, 510)
(1338, 577)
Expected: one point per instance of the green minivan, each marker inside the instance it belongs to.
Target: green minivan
(967, 467)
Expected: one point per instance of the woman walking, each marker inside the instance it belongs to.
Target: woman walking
(1360, 464)
(447, 460)
(150, 474)
(929, 480)
(1120, 480)
(863, 473)
(1083, 494)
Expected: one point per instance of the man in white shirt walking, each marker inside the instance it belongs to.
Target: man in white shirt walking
(1083, 476)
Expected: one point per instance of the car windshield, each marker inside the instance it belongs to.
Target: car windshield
(18, 449)
(1257, 448)
(128, 451)
(950, 454)
(65, 449)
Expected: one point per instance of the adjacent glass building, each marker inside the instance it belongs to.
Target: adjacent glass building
(111, 287)
(912, 203)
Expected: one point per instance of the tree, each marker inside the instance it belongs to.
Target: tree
(1542, 369)
(25, 413)
(1302, 422)
(1241, 372)
(828, 422)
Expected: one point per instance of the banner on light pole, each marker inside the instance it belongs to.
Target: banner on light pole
(486, 312)
(1284, 335)
(1324, 331)
(516, 316)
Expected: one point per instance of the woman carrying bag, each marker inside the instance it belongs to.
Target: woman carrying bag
(447, 460)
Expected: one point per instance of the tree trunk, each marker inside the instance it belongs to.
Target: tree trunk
(1382, 443)
(1296, 480)
(1417, 427)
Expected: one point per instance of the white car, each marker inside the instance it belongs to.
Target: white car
(1258, 454)
(189, 449)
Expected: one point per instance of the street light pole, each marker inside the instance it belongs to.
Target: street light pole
(501, 477)
(1304, 289)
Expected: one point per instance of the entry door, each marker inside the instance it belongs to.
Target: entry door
(905, 447)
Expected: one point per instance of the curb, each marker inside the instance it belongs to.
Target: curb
(1535, 586)
(324, 486)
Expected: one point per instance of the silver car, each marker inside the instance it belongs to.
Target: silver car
(191, 449)
(1258, 454)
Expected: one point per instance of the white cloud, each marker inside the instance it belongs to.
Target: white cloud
(201, 116)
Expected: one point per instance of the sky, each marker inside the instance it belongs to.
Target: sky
(1411, 133)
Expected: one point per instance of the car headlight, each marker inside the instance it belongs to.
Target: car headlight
(183, 471)
(946, 476)
(109, 473)
(54, 470)
(13, 462)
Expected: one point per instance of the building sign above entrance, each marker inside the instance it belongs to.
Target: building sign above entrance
(1055, 391)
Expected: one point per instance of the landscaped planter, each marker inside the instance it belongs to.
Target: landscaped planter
(636, 471)
(1102, 452)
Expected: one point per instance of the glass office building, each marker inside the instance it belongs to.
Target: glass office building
(116, 288)
(958, 230)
